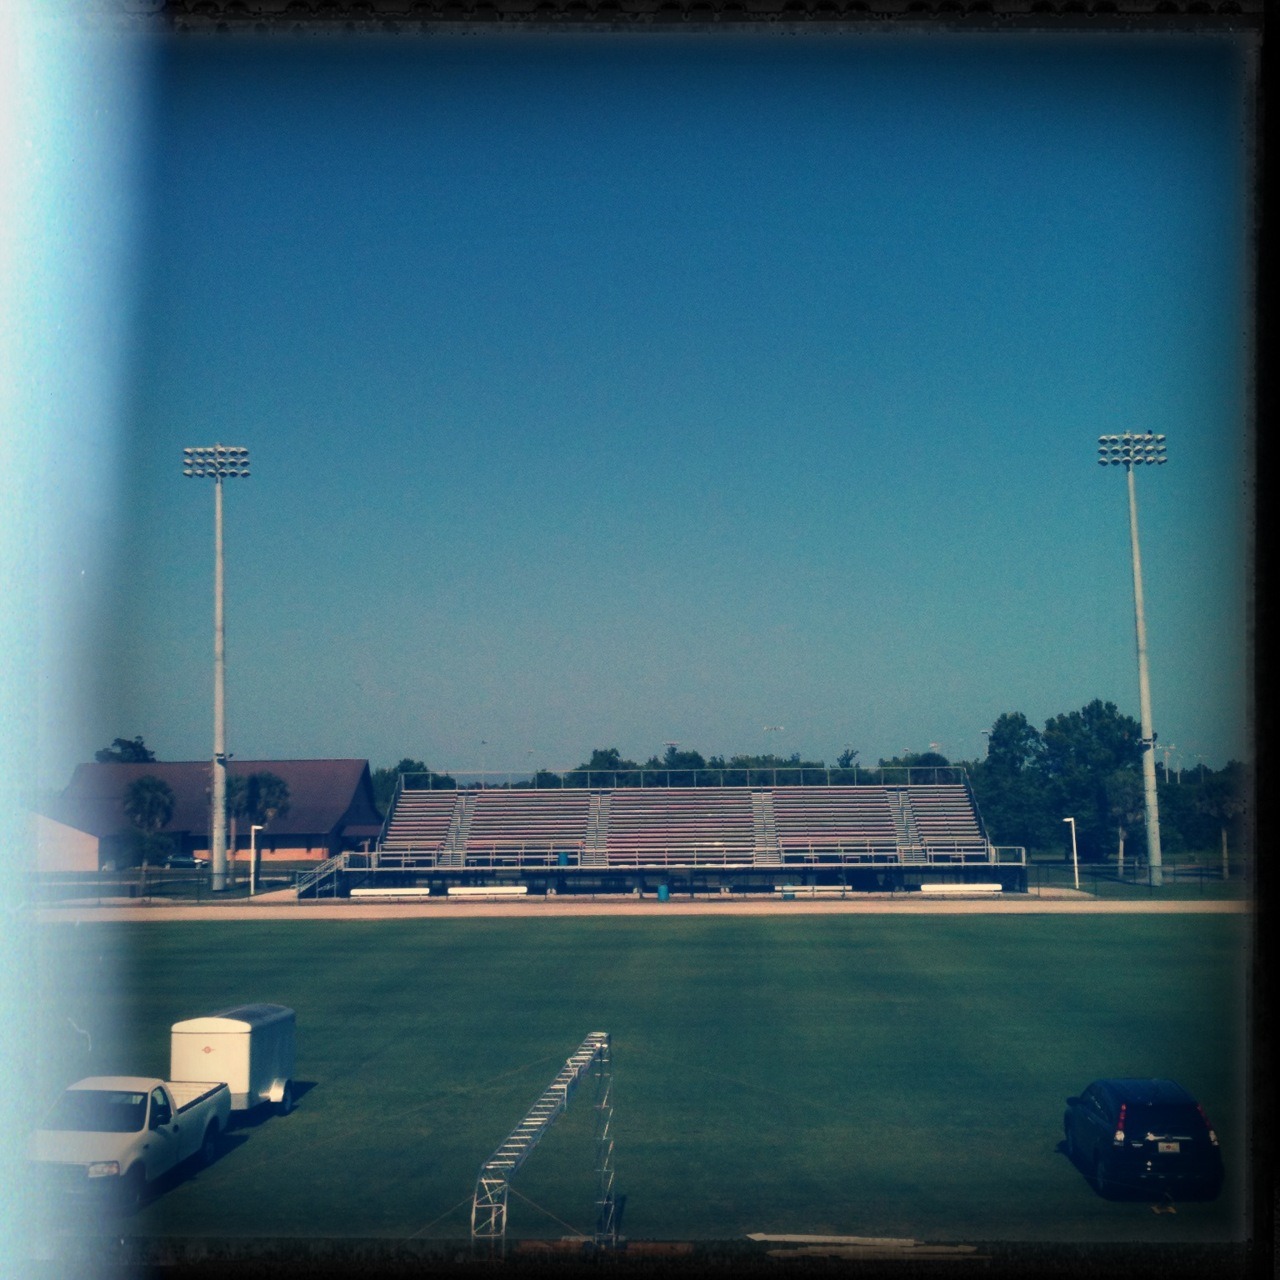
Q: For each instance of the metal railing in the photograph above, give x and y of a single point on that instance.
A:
(545, 855)
(315, 877)
(131, 884)
(614, 779)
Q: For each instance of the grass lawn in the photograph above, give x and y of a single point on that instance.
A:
(876, 1075)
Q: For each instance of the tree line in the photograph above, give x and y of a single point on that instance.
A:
(1087, 765)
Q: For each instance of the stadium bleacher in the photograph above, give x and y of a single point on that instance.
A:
(830, 820)
(663, 826)
(420, 821)
(944, 817)
(705, 826)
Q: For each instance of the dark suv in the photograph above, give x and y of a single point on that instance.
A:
(1132, 1135)
(185, 862)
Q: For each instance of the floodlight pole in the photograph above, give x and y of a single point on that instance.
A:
(218, 853)
(217, 463)
(1130, 450)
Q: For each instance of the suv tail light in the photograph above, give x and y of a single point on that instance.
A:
(1213, 1137)
(1118, 1140)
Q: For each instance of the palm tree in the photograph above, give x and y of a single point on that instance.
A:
(1125, 805)
(1222, 799)
(237, 808)
(266, 797)
(148, 804)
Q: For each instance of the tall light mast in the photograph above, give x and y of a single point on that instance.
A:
(218, 463)
(1130, 450)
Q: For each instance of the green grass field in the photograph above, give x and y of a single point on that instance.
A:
(856, 1075)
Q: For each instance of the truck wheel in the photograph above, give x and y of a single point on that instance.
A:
(285, 1105)
(133, 1189)
(209, 1147)
(1103, 1183)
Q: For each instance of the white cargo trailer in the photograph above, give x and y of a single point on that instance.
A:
(250, 1047)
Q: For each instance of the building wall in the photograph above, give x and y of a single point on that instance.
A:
(283, 851)
(63, 848)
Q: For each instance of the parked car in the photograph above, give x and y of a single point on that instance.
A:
(114, 1136)
(185, 862)
(1143, 1134)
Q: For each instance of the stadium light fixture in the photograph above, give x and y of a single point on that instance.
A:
(218, 463)
(1131, 450)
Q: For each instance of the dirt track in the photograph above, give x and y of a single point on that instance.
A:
(283, 906)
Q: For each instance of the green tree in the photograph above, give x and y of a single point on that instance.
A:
(237, 809)
(125, 751)
(606, 768)
(266, 798)
(1125, 806)
(1081, 750)
(1013, 745)
(1009, 787)
(385, 780)
(1223, 798)
(786, 771)
(416, 775)
(148, 804)
(676, 768)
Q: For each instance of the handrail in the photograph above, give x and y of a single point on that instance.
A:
(698, 779)
(304, 880)
(391, 808)
(545, 854)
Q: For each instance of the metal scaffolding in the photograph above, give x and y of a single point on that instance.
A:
(489, 1204)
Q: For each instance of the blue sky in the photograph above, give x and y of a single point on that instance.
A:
(619, 390)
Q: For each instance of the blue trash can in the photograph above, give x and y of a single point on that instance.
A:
(664, 893)
(562, 859)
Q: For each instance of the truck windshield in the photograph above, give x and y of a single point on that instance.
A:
(98, 1111)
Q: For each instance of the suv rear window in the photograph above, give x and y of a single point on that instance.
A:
(1164, 1120)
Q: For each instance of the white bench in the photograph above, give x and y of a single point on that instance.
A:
(488, 890)
(813, 890)
(416, 891)
(951, 890)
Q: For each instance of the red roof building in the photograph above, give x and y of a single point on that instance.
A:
(331, 808)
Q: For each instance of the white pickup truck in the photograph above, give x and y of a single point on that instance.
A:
(115, 1135)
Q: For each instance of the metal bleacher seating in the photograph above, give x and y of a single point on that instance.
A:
(528, 822)
(834, 819)
(944, 817)
(680, 824)
(420, 821)
(703, 826)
